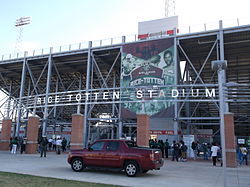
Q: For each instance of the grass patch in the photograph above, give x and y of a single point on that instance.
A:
(21, 180)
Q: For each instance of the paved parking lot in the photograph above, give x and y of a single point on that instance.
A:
(177, 174)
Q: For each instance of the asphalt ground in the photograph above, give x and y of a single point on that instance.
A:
(176, 174)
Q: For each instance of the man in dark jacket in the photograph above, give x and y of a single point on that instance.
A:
(23, 145)
(194, 148)
(166, 148)
(64, 144)
(43, 145)
(176, 149)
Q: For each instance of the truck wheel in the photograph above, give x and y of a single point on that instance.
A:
(77, 164)
(131, 168)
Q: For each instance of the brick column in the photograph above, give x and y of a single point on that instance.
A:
(5, 134)
(32, 135)
(143, 122)
(76, 138)
(230, 140)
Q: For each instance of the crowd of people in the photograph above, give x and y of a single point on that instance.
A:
(178, 151)
(57, 144)
(198, 147)
(53, 144)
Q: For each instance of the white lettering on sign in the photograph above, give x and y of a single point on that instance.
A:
(147, 94)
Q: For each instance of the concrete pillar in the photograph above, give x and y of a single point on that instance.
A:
(76, 138)
(143, 122)
(32, 135)
(230, 140)
(5, 134)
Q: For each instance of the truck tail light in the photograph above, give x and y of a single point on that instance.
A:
(152, 156)
(155, 155)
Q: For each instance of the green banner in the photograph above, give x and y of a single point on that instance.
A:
(248, 142)
(151, 65)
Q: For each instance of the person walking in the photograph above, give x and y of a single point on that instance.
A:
(166, 148)
(54, 144)
(214, 150)
(183, 152)
(58, 146)
(240, 155)
(43, 145)
(50, 143)
(64, 144)
(175, 147)
(22, 145)
(14, 145)
(205, 150)
(244, 151)
(194, 148)
(219, 155)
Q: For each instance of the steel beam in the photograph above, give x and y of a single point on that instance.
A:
(32, 78)
(120, 124)
(120, 129)
(198, 118)
(176, 64)
(58, 75)
(46, 108)
(9, 101)
(20, 96)
(221, 81)
(39, 78)
(104, 81)
(197, 73)
(86, 107)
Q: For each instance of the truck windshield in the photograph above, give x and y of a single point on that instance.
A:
(131, 144)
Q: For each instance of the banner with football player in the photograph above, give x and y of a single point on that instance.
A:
(147, 64)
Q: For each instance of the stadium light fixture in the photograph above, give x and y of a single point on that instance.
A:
(22, 21)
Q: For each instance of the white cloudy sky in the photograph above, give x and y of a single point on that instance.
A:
(60, 22)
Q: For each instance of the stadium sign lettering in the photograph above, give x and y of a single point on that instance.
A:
(116, 95)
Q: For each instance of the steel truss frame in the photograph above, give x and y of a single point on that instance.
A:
(97, 70)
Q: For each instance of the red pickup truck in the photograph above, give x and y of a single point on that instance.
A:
(116, 154)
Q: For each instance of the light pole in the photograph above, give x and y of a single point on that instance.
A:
(220, 66)
(19, 24)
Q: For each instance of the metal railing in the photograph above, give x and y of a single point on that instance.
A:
(129, 38)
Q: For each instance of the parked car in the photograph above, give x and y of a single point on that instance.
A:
(117, 155)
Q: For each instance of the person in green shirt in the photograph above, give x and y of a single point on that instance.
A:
(14, 143)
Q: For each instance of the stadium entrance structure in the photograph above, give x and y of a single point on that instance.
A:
(108, 91)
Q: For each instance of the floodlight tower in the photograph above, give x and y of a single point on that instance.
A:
(19, 24)
(169, 8)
